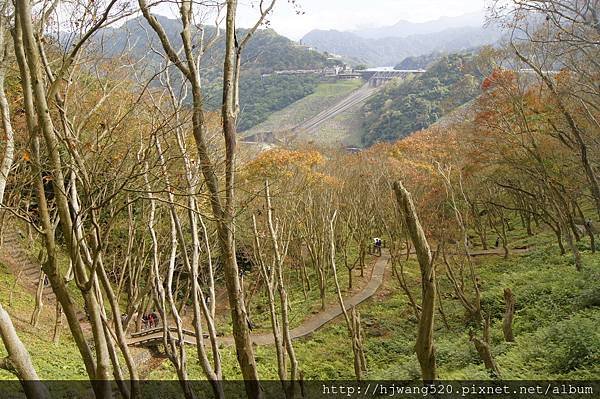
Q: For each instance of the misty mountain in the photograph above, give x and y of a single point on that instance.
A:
(392, 50)
(406, 28)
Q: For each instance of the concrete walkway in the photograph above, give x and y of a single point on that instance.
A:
(332, 311)
(318, 320)
(310, 325)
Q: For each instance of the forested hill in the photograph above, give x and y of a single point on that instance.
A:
(266, 52)
(408, 106)
(419, 61)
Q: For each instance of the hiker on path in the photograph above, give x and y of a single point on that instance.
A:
(377, 244)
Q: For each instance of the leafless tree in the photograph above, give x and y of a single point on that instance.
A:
(424, 346)
(18, 360)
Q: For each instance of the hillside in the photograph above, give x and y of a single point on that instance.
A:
(407, 106)
(419, 61)
(392, 50)
(423, 230)
(265, 53)
(324, 96)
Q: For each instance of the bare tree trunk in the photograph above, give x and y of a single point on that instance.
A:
(229, 112)
(400, 276)
(283, 297)
(362, 255)
(73, 234)
(39, 300)
(587, 225)
(509, 314)
(358, 340)
(14, 287)
(268, 274)
(483, 349)
(441, 306)
(173, 347)
(18, 361)
(9, 145)
(353, 323)
(200, 308)
(424, 346)
(56, 279)
(322, 286)
(120, 334)
(57, 324)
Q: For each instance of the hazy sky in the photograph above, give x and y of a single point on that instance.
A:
(350, 14)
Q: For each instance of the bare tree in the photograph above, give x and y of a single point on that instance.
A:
(223, 208)
(352, 320)
(9, 135)
(18, 361)
(509, 314)
(424, 346)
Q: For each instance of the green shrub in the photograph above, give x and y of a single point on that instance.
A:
(571, 344)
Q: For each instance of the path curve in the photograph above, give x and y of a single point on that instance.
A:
(332, 311)
(317, 320)
(309, 326)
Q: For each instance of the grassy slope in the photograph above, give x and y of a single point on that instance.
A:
(345, 129)
(558, 311)
(58, 362)
(326, 95)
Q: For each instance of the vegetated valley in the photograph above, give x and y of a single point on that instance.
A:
(245, 216)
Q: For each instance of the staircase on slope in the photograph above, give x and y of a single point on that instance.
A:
(21, 263)
(15, 256)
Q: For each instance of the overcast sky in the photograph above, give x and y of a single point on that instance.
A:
(351, 14)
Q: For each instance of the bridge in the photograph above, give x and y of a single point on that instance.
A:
(154, 336)
(379, 76)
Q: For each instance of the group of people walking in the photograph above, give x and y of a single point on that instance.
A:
(150, 320)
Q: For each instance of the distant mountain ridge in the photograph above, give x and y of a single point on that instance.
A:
(406, 28)
(266, 52)
(389, 45)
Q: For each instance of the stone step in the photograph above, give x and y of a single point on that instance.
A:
(26, 270)
(31, 277)
(29, 266)
(29, 270)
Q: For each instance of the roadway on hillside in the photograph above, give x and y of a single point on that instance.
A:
(358, 96)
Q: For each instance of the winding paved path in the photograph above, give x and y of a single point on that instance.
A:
(315, 321)
(310, 325)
